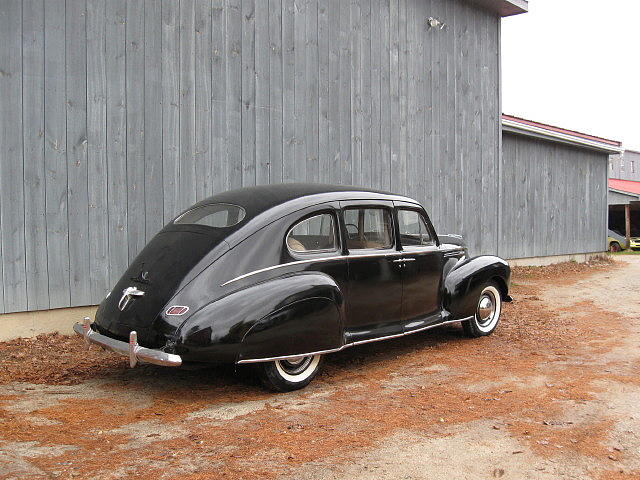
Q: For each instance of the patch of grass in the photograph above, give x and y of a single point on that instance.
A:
(627, 252)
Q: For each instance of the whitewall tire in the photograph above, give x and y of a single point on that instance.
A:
(290, 374)
(488, 310)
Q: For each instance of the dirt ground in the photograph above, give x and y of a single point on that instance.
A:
(553, 394)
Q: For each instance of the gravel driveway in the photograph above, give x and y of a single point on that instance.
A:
(553, 394)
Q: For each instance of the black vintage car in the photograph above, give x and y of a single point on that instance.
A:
(281, 275)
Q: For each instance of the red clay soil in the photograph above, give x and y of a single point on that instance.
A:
(363, 396)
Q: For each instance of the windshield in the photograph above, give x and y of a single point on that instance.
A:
(216, 215)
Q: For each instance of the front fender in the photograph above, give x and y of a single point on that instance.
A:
(266, 320)
(464, 282)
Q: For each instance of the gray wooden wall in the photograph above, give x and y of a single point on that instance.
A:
(553, 199)
(115, 115)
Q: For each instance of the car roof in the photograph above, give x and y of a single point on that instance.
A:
(258, 199)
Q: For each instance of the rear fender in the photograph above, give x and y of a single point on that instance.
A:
(309, 325)
(464, 282)
(303, 310)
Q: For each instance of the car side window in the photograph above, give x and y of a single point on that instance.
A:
(413, 229)
(313, 234)
(368, 228)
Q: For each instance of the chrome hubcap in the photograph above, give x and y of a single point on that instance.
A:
(486, 308)
(295, 366)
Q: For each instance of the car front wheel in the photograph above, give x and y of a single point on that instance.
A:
(487, 314)
(290, 374)
(614, 247)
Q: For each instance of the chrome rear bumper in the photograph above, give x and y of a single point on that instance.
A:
(135, 352)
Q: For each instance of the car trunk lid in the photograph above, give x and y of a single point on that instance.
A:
(152, 279)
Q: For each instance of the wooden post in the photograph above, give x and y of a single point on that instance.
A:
(627, 223)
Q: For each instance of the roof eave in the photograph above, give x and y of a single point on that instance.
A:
(538, 132)
(627, 194)
(505, 8)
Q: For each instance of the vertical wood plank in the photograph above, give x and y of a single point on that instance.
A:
(334, 146)
(312, 93)
(34, 172)
(56, 155)
(490, 152)
(403, 69)
(116, 14)
(385, 95)
(413, 102)
(465, 122)
(366, 94)
(187, 189)
(356, 92)
(344, 89)
(203, 95)
(427, 67)
(324, 91)
(262, 82)
(170, 108)
(248, 153)
(474, 168)
(219, 158)
(376, 53)
(76, 118)
(450, 218)
(288, 91)
(275, 91)
(12, 158)
(153, 137)
(135, 82)
(506, 246)
(234, 93)
(396, 172)
(435, 44)
(97, 150)
(299, 88)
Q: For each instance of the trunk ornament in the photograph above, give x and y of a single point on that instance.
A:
(127, 295)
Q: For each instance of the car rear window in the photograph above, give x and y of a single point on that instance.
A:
(216, 215)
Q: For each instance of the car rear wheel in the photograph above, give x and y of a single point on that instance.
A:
(614, 247)
(290, 374)
(487, 314)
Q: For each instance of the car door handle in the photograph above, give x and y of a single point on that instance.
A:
(403, 260)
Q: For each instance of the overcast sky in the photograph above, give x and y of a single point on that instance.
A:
(575, 64)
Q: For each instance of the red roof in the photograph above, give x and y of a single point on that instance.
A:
(625, 185)
(551, 128)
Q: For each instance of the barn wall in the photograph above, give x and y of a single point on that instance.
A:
(116, 115)
(554, 199)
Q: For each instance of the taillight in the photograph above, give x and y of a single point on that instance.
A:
(177, 310)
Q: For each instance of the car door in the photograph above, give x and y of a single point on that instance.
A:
(374, 272)
(421, 267)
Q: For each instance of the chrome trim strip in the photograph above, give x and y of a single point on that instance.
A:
(288, 357)
(129, 349)
(314, 260)
(347, 345)
(282, 265)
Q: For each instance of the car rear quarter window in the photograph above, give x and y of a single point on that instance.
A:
(216, 215)
(313, 234)
(368, 228)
